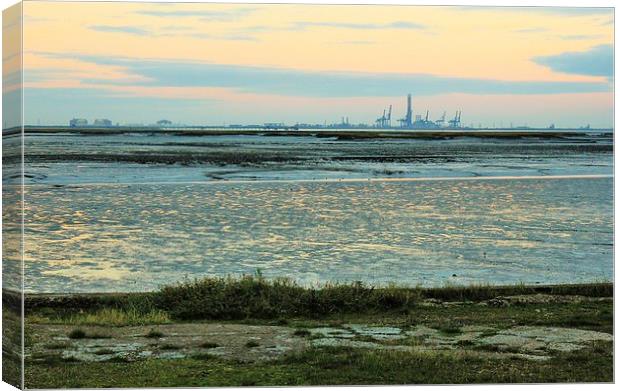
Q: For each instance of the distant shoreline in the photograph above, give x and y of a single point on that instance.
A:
(345, 134)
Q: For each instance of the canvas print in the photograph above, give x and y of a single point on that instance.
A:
(229, 194)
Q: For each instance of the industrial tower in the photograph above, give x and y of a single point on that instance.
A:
(407, 121)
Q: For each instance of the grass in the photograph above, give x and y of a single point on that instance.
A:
(251, 344)
(119, 317)
(209, 345)
(330, 366)
(81, 334)
(154, 334)
(256, 297)
(273, 303)
(77, 334)
(58, 345)
(302, 333)
(104, 351)
(105, 317)
(278, 300)
(449, 329)
(170, 347)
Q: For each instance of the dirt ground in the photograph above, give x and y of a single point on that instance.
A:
(255, 343)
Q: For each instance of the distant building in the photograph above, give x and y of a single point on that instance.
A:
(102, 122)
(274, 125)
(75, 122)
(164, 122)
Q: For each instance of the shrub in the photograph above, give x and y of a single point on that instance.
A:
(302, 333)
(251, 344)
(77, 334)
(256, 297)
(154, 334)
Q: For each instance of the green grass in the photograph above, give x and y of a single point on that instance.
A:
(254, 300)
(104, 317)
(58, 345)
(302, 333)
(77, 334)
(256, 297)
(169, 346)
(81, 334)
(251, 344)
(104, 351)
(119, 317)
(330, 366)
(154, 334)
(279, 300)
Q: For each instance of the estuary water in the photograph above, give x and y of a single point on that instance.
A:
(412, 213)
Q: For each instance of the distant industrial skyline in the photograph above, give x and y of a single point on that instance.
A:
(252, 64)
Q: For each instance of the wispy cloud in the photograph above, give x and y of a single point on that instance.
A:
(597, 61)
(173, 31)
(580, 37)
(360, 42)
(120, 29)
(290, 82)
(305, 25)
(532, 30)
(223, 37)
(227, 15)
(363, 26)
(566, 11)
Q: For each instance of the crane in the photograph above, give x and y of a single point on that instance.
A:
(456, 121)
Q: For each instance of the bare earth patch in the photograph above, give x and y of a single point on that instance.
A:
(229, 341)
(252, 343)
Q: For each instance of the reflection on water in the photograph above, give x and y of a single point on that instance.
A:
(138, 237)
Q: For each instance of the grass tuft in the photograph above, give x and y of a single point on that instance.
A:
(104, 351)
(154, 334)
(77, 334)
(251, 344)
(302, 333)
(117, 317)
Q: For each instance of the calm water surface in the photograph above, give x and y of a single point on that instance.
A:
(129, 237)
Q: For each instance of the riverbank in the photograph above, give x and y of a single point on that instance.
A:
(253, 331)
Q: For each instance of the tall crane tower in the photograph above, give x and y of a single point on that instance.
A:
(385, 121)
(456, 121)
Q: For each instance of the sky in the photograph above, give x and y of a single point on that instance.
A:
(249, 63)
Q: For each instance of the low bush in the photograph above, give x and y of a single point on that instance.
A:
(256, 297)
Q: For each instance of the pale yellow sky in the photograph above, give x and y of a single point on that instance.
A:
(210, 53)
(484, 43)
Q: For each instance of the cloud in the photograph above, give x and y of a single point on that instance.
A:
(304, 25)
(579, 37)
(226, 15)
(597, 61)
(363, 26)
(565, 11)
(263, 80)
(532, 30)
(120, 29)
(231, 37)
(361, 42)
(577, 11)
(173, 31)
